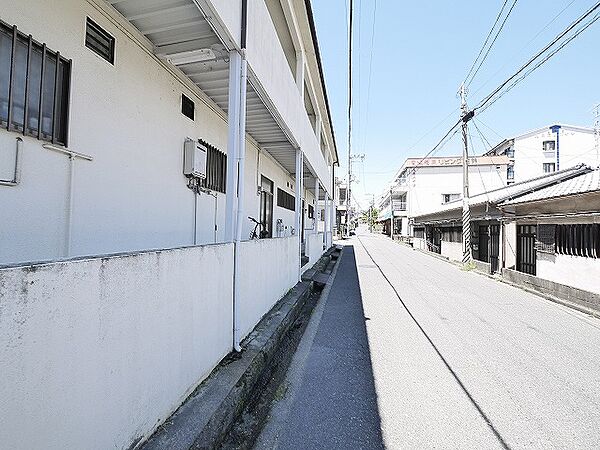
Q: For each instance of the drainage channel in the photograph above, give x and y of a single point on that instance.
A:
(270, 385)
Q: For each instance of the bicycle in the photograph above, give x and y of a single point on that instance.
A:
(256, 233)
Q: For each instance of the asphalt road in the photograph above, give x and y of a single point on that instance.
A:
(407, 352)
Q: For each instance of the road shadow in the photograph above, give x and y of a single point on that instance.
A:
(335, 406)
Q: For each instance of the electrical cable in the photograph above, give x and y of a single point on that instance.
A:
(532, 60)
(468, 82)
(526, 45)
(486, 41)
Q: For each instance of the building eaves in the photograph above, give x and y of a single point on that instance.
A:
(313, 32)
(581, 184)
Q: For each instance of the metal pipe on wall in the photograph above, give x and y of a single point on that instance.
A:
(240, 200)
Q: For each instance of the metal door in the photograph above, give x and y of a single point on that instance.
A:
(483, 243)
(526, 254)
(494, 246)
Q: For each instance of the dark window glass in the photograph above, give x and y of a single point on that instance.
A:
(187, 107)
(18, 87)
(99, 41)
(35, 81)
(285, 200)
(5, 64)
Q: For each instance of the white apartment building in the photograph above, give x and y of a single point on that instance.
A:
(137, 137)
(424, 185)
(548, 149)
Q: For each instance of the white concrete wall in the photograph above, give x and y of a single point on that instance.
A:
(96, 353)
(576, 271)
(314, 247)
(452, 250)
(268, 269)
(511, 245)
(575, 147)
(127, 116)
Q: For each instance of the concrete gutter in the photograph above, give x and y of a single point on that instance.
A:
(207, 417)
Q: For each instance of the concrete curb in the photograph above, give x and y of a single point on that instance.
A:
(501, 279)
(207, 416)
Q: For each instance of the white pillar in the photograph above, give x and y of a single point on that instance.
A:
(327, 220)
(317, 210)
(300, 73)
(298, 208)
(318, 128)
(233, 125)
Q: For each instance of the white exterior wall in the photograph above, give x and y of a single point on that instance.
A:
(270, 65)
(575, 147)
(576, 271)
(133, 195)
(314, 247)
(511, 245)
(426, 186)
(96, 353)
(268, 269)
(452, 250)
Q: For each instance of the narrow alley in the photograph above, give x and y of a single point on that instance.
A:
(408, 351)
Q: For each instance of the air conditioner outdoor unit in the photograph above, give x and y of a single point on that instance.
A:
(194, 159)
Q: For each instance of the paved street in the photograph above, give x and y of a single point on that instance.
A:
(436, 358)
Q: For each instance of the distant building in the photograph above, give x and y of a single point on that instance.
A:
(548, 149)
(557, 231)
(547, 228)
(424, 185)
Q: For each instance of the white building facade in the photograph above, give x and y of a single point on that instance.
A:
(549, 149)
(149, 275)
(424, 185)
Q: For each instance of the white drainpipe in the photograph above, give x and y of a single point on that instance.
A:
(240, 202)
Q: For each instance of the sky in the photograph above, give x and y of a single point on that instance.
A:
(421, 53)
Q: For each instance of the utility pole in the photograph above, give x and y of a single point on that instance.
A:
(349, 190)
(392, 216)
(466, 115)
(597, 131)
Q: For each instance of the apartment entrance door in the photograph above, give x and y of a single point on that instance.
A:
(266, 207)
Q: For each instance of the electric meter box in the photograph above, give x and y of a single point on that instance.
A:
(194, 159)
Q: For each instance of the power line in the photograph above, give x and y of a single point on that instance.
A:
(467, 81)
(370, 71)
(540, 53)
(527, 44)
(546, 58)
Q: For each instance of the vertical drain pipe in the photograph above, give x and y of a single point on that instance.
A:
(69, 224)
(241, 156)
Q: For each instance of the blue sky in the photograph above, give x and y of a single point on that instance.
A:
(422, 51)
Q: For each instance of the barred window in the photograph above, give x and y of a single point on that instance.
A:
(216, 168)
(34, 87)
(452, 234)
(285, 200)
(578, 240)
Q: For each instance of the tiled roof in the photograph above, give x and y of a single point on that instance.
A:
(587, 182)
(515, 190)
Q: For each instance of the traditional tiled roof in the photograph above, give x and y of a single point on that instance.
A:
(586, 182)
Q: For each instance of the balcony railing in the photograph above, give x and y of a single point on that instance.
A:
(399, 206)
